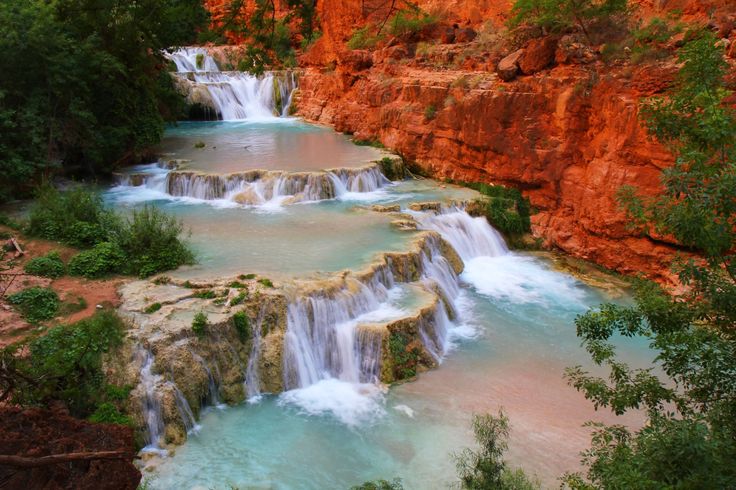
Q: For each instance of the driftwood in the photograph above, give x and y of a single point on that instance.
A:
(19, 251)
(28, 462)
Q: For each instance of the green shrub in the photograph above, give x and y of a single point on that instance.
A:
(236, 285)
(104, 259)
(151, 242)
(246, 277)
(239, 298)
(199, 323)
(364, 38)
(266, 282)
(49, 265)
(199, 60)
(66, 365)
(507, 210)
(374, 143)
(241, 323)
(36, 304)
(199, 145)
(404, 360)
(152, 308)
(205, 294)
(430, 112)
(108, 413)
(394, 484)
(406, 23)
(76, 217)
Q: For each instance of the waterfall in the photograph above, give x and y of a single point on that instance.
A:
(185, 411)
(470, 237)
(151, 402)
(252, 380)
(213, 396)
(254, 187)
(236, 95)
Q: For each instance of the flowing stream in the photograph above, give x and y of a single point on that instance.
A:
(501, 332)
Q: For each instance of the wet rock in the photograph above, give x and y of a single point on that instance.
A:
(404, 224)
(508, 68)
(426, 206)
(394, 208)
(538, 55)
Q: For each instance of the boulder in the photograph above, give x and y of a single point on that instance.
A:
(508, 67)
(538, 55)
(465, 35)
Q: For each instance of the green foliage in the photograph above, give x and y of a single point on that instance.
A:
(241, 323)
(50, 265)
(374, 143)
(6, 220)
(364, 38)
(151, 242)
(102, 260)
(66, 365)
(81, 85)
(689, 440)
(239, 299)
(152, 308)
(485, 468)
(201, 144)
(246, 277)
(266, 282)
(236, 285)
(394, 484)
(562, 15)
(199, 324)
(404, 357)
(205, 294)
(108, 413)
(76, 217)
(430, 112)
(507, 210)
(36, 304)
(409, 22)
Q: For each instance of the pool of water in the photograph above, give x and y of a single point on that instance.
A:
(510, 354)
(278, 144)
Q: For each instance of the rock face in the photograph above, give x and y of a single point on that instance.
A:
(569, 140)
(538, 55)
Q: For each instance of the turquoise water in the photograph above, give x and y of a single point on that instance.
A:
(278, 145)
(512, 356)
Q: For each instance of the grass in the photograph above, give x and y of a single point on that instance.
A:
(241, 323)
(152, 308)
(50, 265)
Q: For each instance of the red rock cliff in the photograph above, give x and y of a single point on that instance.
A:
(569, 136)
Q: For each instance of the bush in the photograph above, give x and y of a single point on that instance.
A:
(430, 112)
(241, 323)
(108, 413)
(406, 23)
(36, 304)
(507, 210)
(104, 259)
(394, 484)
(49, 265)
(266, 282)
(76, 217)
(199, 323)
(242, 296)
(364, 38)
(150, 241)
(246, 277)
(66, 365)
(152, 308)
(205, 294)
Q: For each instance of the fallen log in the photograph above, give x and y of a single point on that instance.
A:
(28, 462)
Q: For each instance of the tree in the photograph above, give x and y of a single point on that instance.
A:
(484, 468)
(560, 15)
(689, 440)
(84, 85)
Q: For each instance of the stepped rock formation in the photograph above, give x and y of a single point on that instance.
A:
(569, 137)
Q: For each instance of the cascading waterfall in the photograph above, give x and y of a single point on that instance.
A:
(236, 95)
(213, 395)
(470, 237)
(252, 380)
(185, 411)
(151, 401)
(256, 187)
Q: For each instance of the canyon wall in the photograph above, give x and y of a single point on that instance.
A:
(569, 136)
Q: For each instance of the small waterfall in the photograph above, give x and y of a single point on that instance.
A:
(185, 411)
(252, 379)
(257, 187)
(151, 402)
(236, 95)
(470, 237)
(321, 341)
(369, 345)
(213, 395)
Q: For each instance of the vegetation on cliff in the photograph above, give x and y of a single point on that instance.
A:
(690, 437)
(84, 86)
